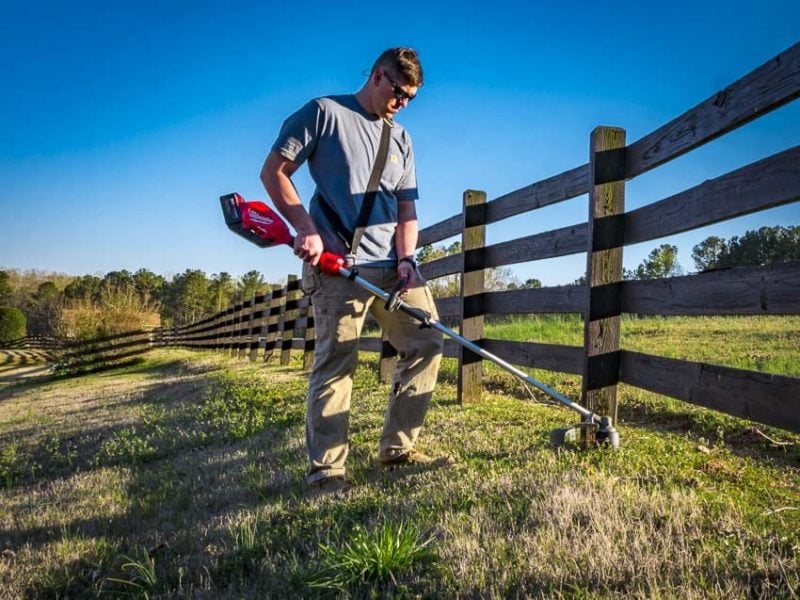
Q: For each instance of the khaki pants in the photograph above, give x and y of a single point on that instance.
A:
(340, 307)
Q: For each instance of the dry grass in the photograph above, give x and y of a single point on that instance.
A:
(183, 477)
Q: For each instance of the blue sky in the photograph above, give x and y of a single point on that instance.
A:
(123, 122)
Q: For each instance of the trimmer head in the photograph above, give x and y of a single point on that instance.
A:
(586, 433)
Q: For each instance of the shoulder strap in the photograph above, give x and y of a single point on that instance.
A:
(372, 186)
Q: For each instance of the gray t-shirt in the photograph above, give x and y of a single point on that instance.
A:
(340, 140)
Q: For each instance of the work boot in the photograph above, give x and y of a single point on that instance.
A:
(336, 485)
(414, 458)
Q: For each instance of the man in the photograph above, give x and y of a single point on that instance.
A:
(340, 138)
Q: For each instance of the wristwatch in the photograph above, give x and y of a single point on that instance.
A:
(409, 260)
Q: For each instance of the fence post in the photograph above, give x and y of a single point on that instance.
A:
(236, 320)
(216, 333)
(273, 320)
(289, 317)
(604, 270)
(473, 240)
(246, 326)
(227, 328)
(256, 326)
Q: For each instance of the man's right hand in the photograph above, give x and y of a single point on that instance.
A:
(308, 247)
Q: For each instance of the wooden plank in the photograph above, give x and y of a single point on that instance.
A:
(770, 182)
(437, 232)
(550, 357)
(245, 329)
(603, 268)
(441, 266)
(552, 190)
(448, 307)
(218, 331)
(236, 323)
(277, 302)
(770, 86)
(370, 344)
(769, 399)
(228, 327)
(768, 290)
(549, 244)
(545, 192)
(557, 299)
(260, 318)
(470, 372)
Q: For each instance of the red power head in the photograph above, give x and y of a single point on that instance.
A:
(258, 223)
(255, 221)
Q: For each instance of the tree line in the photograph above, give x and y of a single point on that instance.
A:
(87, 306)
(763, 246)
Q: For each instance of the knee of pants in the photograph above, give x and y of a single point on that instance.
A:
(429, 343)
(338, 357)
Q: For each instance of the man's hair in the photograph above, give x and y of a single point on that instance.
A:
(401, 62)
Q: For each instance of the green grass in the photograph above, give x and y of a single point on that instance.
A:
(183, 476)
(770, 344)
(371, 557)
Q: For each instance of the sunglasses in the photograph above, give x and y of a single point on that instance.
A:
(399, 93)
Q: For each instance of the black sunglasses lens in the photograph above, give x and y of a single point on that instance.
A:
(399, 93)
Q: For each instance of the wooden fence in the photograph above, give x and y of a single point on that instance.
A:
(88, 356)
(280, 319)
(276, 322)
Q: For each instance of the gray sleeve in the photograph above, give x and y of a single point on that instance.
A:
(299, 133)
(407, 186)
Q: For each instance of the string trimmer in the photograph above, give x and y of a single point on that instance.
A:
(259, 224)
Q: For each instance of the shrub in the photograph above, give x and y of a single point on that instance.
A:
(13, 324)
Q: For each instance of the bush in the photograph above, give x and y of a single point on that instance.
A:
(13, 324)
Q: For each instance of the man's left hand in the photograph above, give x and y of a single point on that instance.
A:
(405, 270)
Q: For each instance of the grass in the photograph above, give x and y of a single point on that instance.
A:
(770, 344)
(376, 557)
(183, 476)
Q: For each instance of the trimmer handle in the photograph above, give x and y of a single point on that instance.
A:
(393, 302)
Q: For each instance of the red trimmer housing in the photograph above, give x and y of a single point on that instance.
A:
(254, 221)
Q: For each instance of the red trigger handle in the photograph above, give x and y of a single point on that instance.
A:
(329, 263)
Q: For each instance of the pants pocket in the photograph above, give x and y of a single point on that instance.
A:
(312, 279)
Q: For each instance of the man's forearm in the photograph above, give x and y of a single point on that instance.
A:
(407, 232)
(406, 237)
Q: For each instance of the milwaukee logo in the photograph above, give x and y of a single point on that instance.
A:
(258, 218)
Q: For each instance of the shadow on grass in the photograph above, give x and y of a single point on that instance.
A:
(177, 436)
(739, 436)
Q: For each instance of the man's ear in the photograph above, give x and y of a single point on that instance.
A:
(376, 77)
